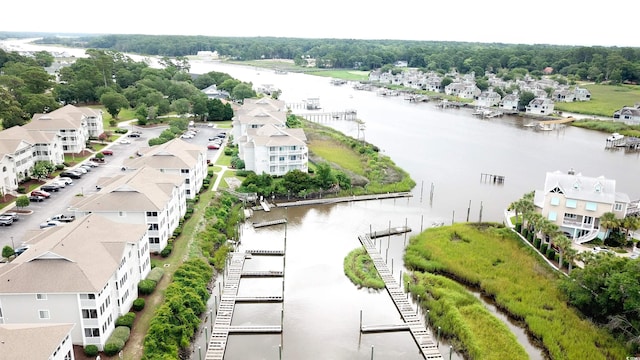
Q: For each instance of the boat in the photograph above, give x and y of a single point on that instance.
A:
(615, 137)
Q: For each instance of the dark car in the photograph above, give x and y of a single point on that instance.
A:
(71, 175)
(50, 188)
(42, 193)
(222, 135)
(107, 152)
(36, 198)
(98, 160)
(134, 135)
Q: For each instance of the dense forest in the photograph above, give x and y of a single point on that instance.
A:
(597, 64)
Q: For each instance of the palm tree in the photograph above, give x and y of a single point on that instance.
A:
(526, 207)
(630, 223)
(563, 243)
(571, 255)
(608, 221)
(549, 230)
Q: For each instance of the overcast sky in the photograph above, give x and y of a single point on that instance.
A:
(606, 23)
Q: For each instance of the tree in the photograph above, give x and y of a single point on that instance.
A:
(8, 251)
(525, 99)
(242, 91)
(113, 102)
(22, 201)
(42, 169)
(562, 243)
(608, 222)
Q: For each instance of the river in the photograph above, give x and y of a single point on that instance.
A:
(443, 150)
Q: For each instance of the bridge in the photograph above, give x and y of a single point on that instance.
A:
(419, 331)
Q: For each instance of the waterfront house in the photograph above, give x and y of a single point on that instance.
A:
(213, 92)
(175, 157)
(575, 203)
(510, 101)
(84, 273)
(488, 98)
(629, 115)
(143, 196)
(73, 132)
(540, 106)
(256, 116)
(36, 341)
(274, 150)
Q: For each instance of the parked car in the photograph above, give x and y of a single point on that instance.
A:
(42, 193)
(88, 168)
(6, 220)
(36, 198)
(135, 134)
(90, 164)
(124, 142)
(98, 160)
(21, 249)
(634, 255)
(81, 170)
(186, 136)
(107, 152)
(70, 174)
(222, 134)
(13, 214)
(64, 180)
(48, 224)
(62, 218)
(50, 187)
(213, 146)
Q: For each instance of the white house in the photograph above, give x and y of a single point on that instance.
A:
(73, 133)
(84, 273)
(254, 114)
(275, 151)
(36, 341)
(510, 102)
(91, 117)
(630, 115)
(540, 106)
(143, 196)
(575, 203)
(488, 98)
(176, 157)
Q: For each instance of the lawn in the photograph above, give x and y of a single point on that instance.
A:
(338, 154)
(605, 100)
(351, 75)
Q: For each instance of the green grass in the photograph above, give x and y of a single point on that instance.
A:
(338, 154)
(609, 127)
(351, 75)
(461, 315)
(360, 269)
(605, 100)
(223, 159)
(496, 261)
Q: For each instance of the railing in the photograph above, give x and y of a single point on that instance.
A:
(588, 237)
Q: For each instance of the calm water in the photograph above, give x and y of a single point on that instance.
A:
(444, 149)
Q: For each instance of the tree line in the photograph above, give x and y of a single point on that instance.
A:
(585, 63)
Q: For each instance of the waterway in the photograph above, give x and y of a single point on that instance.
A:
(443, 150)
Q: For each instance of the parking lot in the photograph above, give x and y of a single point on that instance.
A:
(60, 201)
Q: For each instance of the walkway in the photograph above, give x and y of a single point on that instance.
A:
(330, 200)
(416, 326)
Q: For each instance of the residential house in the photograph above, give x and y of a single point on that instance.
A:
(510, 102)
(275, 150)
(630, 115)
(36, 341)
(581, 94)
(73, 132)
(462, 90)
(143, 196)
(84, 273)
(91, 117)
(488, 98)
(213, 92)
(256, 115)
(540, 106)
(575, 203)
(175, 157)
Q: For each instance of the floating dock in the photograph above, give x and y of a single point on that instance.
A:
(389, 232)
(269, 223)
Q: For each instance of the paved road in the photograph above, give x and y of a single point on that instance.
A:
(60, 201)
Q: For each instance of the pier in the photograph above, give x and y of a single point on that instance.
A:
(421, 335)
(496, 179)
(388, 232)
(320, 117)
(269, 223)
(330, 200)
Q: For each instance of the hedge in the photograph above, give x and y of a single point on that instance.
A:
(91, 350)
(146, 287)
(156, 274)
(126, 320)
(138, 304)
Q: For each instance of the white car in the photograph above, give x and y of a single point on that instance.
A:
(90, 164)
(81, 169)
(48, 224)
(124, 142)
(186, 136)
(66, 180)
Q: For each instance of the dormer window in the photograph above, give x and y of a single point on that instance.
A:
(598, 187)
(576, 185)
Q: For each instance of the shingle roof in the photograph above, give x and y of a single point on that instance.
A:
(174, 154)
(270, 135)
(579, 187)
(80, 256)
(31, 341)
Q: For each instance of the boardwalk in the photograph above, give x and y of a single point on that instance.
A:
(344, 199)
(269, 223)
(418, 329)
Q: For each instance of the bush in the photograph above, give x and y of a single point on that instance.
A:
(551, 254)
(126, 320)
(536, 243)
(138, 304)
(146, 287)
(59, 167)
(112, 347)
(91, 350)
(167, 250)
(120, 332)
(121, 131)
(543, 248)
(156, 274)
(22, 190)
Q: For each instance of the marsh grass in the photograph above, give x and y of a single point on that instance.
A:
(502, 267)
(360, 269)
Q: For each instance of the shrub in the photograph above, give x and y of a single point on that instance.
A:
(138, 304)
(121, 332)
(177, 231)
(543, 248)
(536, 243)
(91, 350)
(167, 250)
(146, 287)
(22, 190)
(112, 347)
(551, 254)
(126, 320)
(59, 167)
(156, 274)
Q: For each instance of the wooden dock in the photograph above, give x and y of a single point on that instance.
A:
(258, 299)
(260, 329)
(224, 314)
(265, 252)
(335, 200)
(367, 329)
(496, 179)
(319, 117)
(418, 329)
(269, 223)
(269, 273)
(388, 232)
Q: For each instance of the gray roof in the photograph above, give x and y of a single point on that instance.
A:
(80, 256)
(174, 154)
(31, 341)
(145, 189)
(579, 187)
(270, 135)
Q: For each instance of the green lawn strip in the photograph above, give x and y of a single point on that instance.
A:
(609, 127)
(497, 262)
(460, 315)
(360, 269)
(351, 75)
(338, 154)
(605, 100)
(224, 160)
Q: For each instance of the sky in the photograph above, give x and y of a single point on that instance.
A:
(568, 22)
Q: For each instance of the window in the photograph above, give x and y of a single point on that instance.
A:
(152, 213)
(571, 203)
(617, 207)
(553, 216)
(88, 296)
(591, 206)
(41, 296)
(43, 314)
(555, 201)
(184, 171)
(92, 332)
(89, 314)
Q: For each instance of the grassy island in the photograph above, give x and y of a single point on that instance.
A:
(360, 269)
